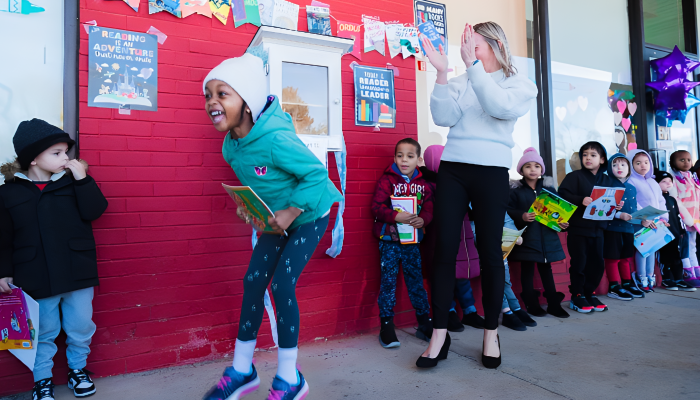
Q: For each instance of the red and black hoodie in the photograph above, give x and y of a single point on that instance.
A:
(393, 183)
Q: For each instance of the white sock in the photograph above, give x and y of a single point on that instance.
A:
(243, 356)
(287, 365)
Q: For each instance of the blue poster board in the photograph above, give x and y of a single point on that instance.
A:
(434, 12)
(122, 69)
(375, 100)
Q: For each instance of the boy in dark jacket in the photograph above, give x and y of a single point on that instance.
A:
(47, 247)
(669, 255)
(402, 179)
(585, 237)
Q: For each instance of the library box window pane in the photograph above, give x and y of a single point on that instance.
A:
(305, 97)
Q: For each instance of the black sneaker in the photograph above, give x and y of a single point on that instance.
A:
(80, 382)
(580, 304)
(513, 322)
(525, 318)
(425, 327)
(669, 284)
(617, 292)
(453, 323)
(597, 304)
(43, 390)
(474, 320)
(685, 286)
(387, 334)
(632, 289)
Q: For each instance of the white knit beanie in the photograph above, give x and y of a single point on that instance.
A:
(246, 75)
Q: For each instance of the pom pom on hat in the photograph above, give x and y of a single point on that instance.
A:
(530, 154)
(246, 75)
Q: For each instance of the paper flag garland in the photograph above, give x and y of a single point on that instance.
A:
(171, 6)
(408, 36)
(393, 39)
(134, 4)
(374, 34)
(350, 30)
(200, 7)
(266, 7)
(245, 12)
(19, 7)
(220, 9)
(285, 15)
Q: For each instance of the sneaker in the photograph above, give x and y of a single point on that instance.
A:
(597, 304)
(684, 286)
(525, 318)
(474, 320)
(669, 284)
(513, 322)
(282, 390)
(80, 383)
(234, 385)
(387, 334)
(689, 273)
(43, 390)
(631, 289)
(580, 304)
(617, 292)
(453, 322)
(652, 282)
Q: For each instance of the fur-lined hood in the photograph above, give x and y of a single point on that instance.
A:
(8, 170)
(547, 181)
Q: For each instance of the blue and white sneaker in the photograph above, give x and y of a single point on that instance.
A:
(234, 385)
(282, 390)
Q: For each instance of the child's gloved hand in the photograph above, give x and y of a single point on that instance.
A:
(529, 217)
(5, 285)
(77, 168)
(404, 218)
(587, 201)
(417, 222)
(619, 206)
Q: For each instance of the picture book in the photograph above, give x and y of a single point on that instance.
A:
(253, 206)
(605, 199)
(428, 29)
(510, 236)
(550, 209)
(647, 213)
(16, 327)
(407, 233)
(319, 20)
(27, 356)
(648, 240)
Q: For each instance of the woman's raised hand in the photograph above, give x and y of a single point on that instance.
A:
(437, 58)
(467, 48)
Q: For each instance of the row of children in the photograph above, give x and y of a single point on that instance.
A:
(595, 247)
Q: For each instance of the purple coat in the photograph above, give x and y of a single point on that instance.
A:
(648, 190)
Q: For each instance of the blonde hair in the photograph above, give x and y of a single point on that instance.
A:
(493, 33)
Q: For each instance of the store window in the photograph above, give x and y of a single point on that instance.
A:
(305, 97)
(591, 79)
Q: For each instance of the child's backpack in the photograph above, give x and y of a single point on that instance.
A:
(467, 257)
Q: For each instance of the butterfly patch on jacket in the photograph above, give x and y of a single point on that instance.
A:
(260, 171)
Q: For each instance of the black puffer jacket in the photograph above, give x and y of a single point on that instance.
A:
(46, 240)
(540, 243)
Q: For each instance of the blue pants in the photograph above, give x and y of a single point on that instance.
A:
(463, 293)
(279, 259)
(408, 256)
(75, 317)
(509, 299)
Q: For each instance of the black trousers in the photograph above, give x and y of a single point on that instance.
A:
(587, 264)
(527, 275)
(486, 188)
(670, 258)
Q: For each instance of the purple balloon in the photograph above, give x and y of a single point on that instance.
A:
(672, 82)
(676, 60)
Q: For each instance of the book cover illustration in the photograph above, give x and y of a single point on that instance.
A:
(428, 29)
(508, 239)
(605, 199)
(647, 213)
(319, 20)
(648, 240)
(407, 233)
(550, 209)
(16, 327)
(253, 206)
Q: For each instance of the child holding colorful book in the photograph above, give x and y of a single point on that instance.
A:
(264, 151)
(687, 187)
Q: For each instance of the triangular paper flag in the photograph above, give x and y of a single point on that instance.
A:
(200, 7)
(220, 9)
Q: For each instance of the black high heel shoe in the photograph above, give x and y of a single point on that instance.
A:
(427, 362)
(492, 362)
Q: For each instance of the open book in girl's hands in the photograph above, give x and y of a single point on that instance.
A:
(646, 213)
(253, 206)
(648, 240)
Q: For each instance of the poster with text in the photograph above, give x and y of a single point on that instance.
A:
(434, 12)
(375, 101)
(122, 69)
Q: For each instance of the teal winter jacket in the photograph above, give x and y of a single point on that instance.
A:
(277, 165)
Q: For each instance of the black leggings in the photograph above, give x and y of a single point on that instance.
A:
(670, 258)
(587, 265)
(487, 190)
(527, 275)
(280, 259)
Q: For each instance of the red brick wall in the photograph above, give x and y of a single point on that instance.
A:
(171, 250)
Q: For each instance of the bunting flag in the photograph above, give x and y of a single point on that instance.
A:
(171, 6)
(245, 12)
(220, 9)
(134, 4)
(200, 7)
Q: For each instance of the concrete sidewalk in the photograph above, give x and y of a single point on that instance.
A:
(641, 349)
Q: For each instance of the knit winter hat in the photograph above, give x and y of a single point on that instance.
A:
(246, 75)
(661, 175)
(530, 154)
(35, 136)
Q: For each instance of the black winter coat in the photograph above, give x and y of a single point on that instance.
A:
(46, 240)
(540, 243)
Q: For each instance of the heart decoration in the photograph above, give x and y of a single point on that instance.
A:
(572, 106)
(561, 113)
(618, 118)
(633, 108)
(583, 102)
(626, 124)
(621, 106)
